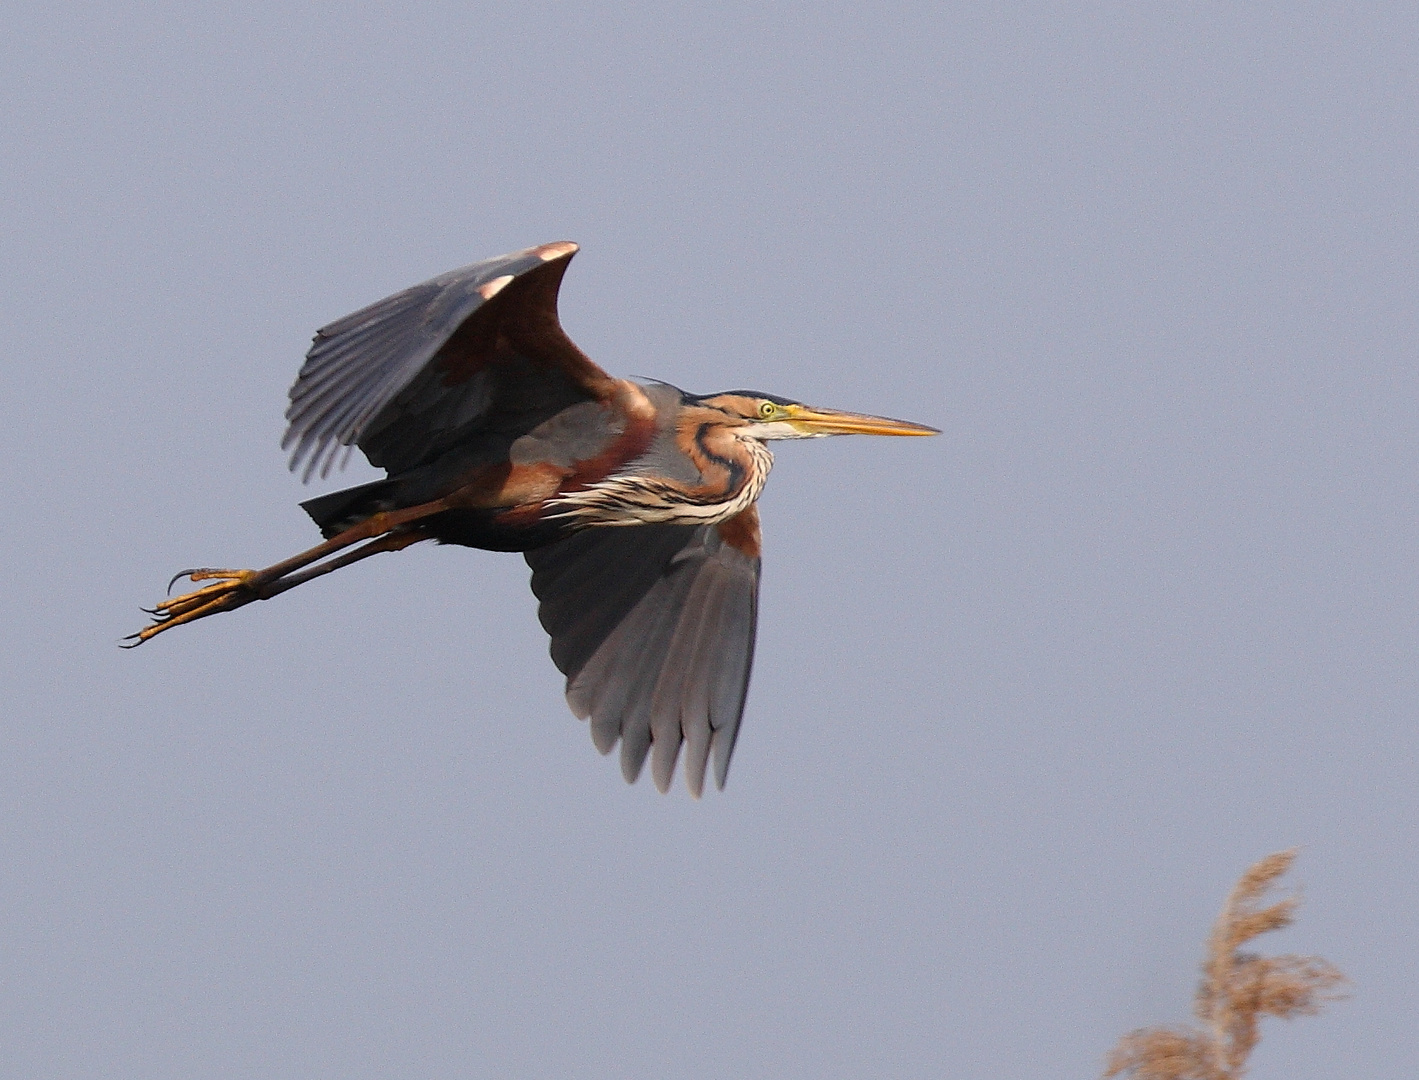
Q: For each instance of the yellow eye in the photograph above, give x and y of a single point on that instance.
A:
(767, 409)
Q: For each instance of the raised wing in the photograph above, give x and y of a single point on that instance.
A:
(653, 626)
(414, 374)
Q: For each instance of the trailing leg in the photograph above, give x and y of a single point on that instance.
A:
(231, 589)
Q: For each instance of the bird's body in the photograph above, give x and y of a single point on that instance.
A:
(664, 457)
(634, 503)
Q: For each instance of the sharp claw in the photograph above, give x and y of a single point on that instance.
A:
(182, 574)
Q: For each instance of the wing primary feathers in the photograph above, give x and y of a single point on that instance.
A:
(701, 651)
(654, 627)
(732, 688)
(645, 642)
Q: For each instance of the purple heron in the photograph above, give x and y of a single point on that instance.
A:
(633, 503)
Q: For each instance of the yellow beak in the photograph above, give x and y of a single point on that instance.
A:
(832, 422)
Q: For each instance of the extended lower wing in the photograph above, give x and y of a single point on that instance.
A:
(653, 625)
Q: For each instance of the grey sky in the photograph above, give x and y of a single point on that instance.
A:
(1028, 696)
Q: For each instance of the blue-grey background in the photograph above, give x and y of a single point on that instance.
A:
(1028, 696)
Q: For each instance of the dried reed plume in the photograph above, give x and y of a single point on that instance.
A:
(1237, 990)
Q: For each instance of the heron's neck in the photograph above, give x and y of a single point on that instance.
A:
(732, 469)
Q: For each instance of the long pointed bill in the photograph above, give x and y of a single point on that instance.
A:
(832, 422)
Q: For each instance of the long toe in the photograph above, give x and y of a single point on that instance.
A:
(229, 589)
(209, 573)
(179, 605)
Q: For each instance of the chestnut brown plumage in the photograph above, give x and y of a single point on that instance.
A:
(634, 503)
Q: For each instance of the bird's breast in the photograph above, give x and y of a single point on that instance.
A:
(720, 477)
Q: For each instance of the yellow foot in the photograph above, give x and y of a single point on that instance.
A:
(230, 589)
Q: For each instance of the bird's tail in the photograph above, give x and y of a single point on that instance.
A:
(340, 510)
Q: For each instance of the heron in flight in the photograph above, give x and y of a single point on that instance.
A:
(633, 503)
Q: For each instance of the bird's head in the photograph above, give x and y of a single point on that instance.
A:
(766, 416)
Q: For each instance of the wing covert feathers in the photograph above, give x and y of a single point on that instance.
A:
(653, 625)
